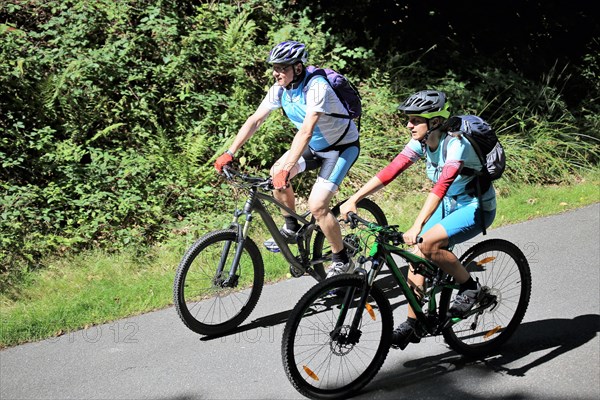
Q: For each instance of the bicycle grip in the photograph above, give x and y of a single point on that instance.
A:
(419, 239)
(227, 171)
(351, 219)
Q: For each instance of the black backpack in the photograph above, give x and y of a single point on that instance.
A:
(487, 146)
(485, 142)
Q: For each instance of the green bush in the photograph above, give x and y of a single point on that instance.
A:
(112, 113)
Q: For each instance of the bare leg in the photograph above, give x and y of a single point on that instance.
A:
(433, 248)
(318, 203)
(287, 195)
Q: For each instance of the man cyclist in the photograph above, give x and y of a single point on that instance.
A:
(451, 213)
(322, 140)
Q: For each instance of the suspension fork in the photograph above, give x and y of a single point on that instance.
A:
(354, 331)
(242, 234)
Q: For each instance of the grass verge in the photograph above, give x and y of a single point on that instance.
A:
(96, 287)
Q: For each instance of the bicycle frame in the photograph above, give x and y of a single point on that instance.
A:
(429, 318)
(338, 335)
(381, 254)
(255, 203)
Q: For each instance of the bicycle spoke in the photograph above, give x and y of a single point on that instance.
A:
(327, 355)
(504, 273)
(208, 298)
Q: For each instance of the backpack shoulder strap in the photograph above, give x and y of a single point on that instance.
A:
(445, 147)
(477, 174)
(334, 144)
(477, 149)
(465, 170)
(312, 71)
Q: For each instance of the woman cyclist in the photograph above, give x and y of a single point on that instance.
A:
(322, 141)
(450, 214)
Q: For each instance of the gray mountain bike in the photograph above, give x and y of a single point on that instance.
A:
(221, 276)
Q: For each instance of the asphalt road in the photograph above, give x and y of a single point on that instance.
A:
(555, 353)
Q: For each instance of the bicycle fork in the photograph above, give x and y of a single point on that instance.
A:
(242, 232)
(352, 334)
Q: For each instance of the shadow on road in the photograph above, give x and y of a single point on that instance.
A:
(432, 376)
(385, 281)
(560, 335)
(263, 322)
(563, 335)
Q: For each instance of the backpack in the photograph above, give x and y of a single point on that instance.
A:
(488, 148)
(345, 91)
(485, 142)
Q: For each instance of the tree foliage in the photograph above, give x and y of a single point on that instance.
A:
(112, 111)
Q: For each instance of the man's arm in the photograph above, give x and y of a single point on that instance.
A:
(249, 128)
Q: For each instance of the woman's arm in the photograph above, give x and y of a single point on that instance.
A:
(449, 173)
(402, 161)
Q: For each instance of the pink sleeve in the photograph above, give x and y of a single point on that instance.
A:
(402, 161)
(449, 173)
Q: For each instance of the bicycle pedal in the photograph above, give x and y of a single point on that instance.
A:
(296, 272)
(339, 292)
(411, 339)
(271, 246)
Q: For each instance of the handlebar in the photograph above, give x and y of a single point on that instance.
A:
(390, 231)
(233, 174)
(354, 220)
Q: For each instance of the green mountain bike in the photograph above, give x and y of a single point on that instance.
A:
(221, 276)
(339, 333)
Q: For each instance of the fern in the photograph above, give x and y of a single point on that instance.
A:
(238, 34)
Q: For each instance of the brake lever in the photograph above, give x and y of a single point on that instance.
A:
(226, 171)
(268, 184)
(351, 220)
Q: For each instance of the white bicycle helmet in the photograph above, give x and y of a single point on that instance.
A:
(288, 53)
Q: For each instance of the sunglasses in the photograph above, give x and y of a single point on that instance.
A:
(281, 69)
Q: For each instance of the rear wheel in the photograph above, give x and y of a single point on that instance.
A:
(503, 272)
(366, 209)
(207, 299)
(322, 355)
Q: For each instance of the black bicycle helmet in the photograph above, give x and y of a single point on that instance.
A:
(288, 53)
(426, 104)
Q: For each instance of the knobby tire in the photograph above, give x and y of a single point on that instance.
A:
(203, 305)
(318, 365)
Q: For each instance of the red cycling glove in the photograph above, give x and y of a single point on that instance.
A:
(280, 180)
(222, 161)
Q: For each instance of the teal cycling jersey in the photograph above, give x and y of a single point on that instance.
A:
(316, 95)
(459, 149)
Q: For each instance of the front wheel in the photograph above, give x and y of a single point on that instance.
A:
(366, 209)
(207, 298)
(323, 355)
(503, 272)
